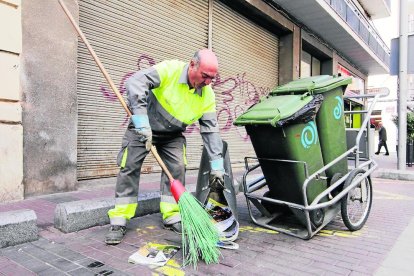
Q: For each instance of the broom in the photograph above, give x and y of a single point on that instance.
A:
(199, 235)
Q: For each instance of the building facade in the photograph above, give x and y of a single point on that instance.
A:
(73, 123)
(11, 128)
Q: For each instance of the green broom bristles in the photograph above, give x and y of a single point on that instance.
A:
(199, 235)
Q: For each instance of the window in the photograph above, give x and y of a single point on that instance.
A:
(354, 88)
(357, 85)
(316, 67)
(309, 65)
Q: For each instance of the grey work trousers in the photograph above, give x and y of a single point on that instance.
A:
(170, 147)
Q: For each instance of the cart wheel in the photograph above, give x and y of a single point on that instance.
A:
(335, 178)
(356, 205)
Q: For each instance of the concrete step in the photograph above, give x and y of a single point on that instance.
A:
(78, 215)
(18, 226)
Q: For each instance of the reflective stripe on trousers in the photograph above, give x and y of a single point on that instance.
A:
(130, 159)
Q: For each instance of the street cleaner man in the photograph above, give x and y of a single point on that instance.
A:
(164, 100)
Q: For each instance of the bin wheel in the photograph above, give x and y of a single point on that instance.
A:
(317, 216)
(335, 178)
(356, 205)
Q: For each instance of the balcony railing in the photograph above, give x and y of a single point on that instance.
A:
(348, 11)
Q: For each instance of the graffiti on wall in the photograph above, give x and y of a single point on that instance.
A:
(228, 109)
(144, 61)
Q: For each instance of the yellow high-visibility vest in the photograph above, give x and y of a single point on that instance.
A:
(181, 102)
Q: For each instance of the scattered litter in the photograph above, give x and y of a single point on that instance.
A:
(153, 254)
(228, 245)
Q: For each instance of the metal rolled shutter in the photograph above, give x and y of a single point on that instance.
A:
(248, 57)
(127, 36)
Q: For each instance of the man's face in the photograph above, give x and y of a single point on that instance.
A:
(202, 73)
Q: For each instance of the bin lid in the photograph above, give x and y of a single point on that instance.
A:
(272, 109)
(314, 85)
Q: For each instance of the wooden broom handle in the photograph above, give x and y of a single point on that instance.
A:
(111, 83)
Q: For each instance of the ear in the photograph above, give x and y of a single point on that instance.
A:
(192, 63)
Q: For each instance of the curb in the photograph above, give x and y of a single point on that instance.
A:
(394, 174)
(78, 215)
(16, 227)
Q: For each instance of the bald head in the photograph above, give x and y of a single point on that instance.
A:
(203, 68)
(206, 58)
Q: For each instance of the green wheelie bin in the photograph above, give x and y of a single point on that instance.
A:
(284, 128)
(330, 117)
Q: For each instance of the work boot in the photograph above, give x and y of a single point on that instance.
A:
(175, 227)
(173, 222)
(115, 235)
(387, 153)
(377, 153)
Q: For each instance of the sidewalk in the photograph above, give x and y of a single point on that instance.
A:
(387, 168)
(383, 245)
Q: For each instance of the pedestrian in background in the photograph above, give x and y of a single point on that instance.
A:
(382, 139)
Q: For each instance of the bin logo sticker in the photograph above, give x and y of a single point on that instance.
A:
(309, 135)
(338, 108)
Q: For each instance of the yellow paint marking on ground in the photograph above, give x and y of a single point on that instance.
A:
(344, 235)
(257, 230)
(144, 231)
(388, 195)
(141, 231)
(170, 271)
(173, 263)
(330, 232)
(339, 233)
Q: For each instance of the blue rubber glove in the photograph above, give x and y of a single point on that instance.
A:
(143, 129)
(217, 170)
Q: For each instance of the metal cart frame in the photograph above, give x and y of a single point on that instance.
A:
(346, 184)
